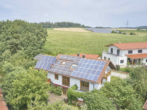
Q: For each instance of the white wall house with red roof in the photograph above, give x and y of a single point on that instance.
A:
(125, 54)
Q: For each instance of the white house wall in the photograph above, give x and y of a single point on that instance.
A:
(53, 80)
(135, 51)
(112, 57)
(109, 78)
(73, 81)
(144, 61)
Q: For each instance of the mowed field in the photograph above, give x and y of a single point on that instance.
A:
(71, 29)
(62, 42)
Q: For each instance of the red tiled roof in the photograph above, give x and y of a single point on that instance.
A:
(3, 105)
(126, 46)
(135, 56)
(88, 56)
(145, 105)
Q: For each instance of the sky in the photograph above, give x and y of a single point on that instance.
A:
(105, 13)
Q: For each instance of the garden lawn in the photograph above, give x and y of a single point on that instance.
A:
(61, 42)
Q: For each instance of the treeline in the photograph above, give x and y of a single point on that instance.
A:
(62, 24)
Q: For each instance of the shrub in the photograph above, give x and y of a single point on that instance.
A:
(73, 95)
(117, 67)
(52, 89)
(112, 31)
(58, 90)
(97, 100)
(132, 33)
(125, 69)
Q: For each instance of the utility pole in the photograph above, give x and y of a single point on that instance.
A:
(127, 23)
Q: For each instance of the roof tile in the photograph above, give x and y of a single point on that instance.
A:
(126, 46)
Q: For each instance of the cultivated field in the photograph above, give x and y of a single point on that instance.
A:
(71, 29)
(62, 42)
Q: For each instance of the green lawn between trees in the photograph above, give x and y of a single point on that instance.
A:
(61, 42)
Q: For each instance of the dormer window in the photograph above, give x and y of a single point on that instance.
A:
(73, 66)
(63, 63)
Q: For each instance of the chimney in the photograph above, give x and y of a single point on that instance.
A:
(83, 56)
(78, 54)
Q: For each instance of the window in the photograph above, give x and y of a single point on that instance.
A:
(63, 63)
(118, 51)
(130, 52)
(73, 66)
(104, 58)
(84, 86)
(139, 51)
(65, 81)
(108, 58)
(121, 61)
(146, 60)
(56, 76)
(111, 50)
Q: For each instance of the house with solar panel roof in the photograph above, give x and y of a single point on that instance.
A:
(85, 70)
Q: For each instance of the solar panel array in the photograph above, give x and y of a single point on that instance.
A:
(65, 69)
(86, 68)
(62, 69)
(71, 58)
(89, 69)
(45, 62)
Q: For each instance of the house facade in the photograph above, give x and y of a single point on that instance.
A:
(124, 54)
(86, 73)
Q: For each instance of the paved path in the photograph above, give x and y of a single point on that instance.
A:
(53, 98)
(120, 75)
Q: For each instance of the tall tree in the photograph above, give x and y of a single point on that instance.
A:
(20, 87)
(20, 35)
(138, 81)
(96, 100)
(122, 94)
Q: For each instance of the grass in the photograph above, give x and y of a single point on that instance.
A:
(141, 32)
(61, 42)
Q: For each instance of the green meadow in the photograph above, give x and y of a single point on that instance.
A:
(62, 42)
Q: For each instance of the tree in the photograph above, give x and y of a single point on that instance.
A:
(137, 79)
(96, 100)
(35, 105)
(20, 35)
(25, 86)
(122, 94)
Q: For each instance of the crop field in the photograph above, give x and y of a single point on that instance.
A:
(141, 32)
(62, 42)
(71, 29)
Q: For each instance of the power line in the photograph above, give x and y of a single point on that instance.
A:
(127, 24)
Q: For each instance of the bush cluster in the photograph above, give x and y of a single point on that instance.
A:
(132, 33)
(73, 95)
(57, 90)
(125, 69)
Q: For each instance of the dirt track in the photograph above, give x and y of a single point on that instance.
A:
(71, 29)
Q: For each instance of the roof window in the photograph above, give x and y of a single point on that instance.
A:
(63, 63)
(73, 66)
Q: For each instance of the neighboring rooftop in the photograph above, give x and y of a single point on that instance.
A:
(88, 56)
(136, 56)
(126, 46)
(145, 105)
(3, 105)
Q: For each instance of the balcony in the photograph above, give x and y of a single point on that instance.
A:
(111, 54)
